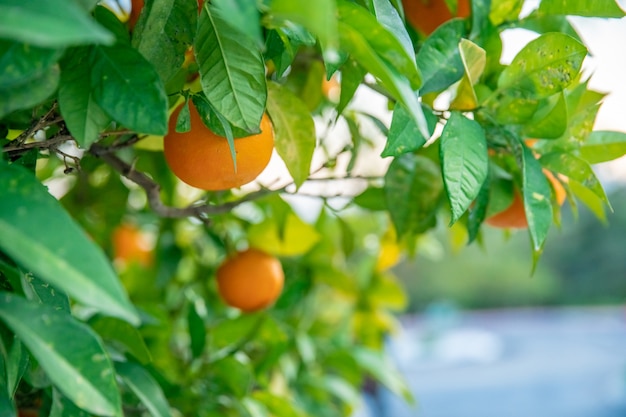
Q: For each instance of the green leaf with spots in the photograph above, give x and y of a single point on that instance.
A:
(439, 58)
(464, 161)
(544, 66)
(603, 146)
(549, 121)
(145, 388)
(576, 169)
(42, 238)
(164, 32)
(43, 292)
(71, 354)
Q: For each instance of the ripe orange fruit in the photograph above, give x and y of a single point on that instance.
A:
(250, 280)
(203, 160)
(514, 216)
(331, 88)
(131, 245)
(427, 15)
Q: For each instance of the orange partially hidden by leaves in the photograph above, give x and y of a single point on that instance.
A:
(131, 245)
(514, 216)
(250, 280)
(135, 10)
(203, 160)
(427, 15)
(331, 88)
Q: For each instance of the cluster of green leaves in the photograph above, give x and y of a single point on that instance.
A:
(156, 339)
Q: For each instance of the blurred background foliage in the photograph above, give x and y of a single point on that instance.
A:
(583, 264)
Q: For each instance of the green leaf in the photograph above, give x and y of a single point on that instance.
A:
(293, 129)
(84, 118)
(164, 32)
(537, 199)
(548, 23)
(244, 15)
(45, 293)
(278, 406)
(20, 62)
(394, 51)
(389, 18)
(464, 162)
(596, 8)
(62, 407)
(128, 89)
(376, 364)
(17, 362)
(544, 66)
(576, 169)
(549, 121)
(6, 403)
(505, 10)
(282, 45)
(439, 58)
(413, 191)
(30, 92)
(373, 198)
(317, 17)
(232, 72)
(197, 330)
(50, 23)
(40, 236)
(589, 199)
(404, 134)
(386, 292)
(354, 42)
(122, 335)
(69, 351)
(512, 106)
(602, 146)
(478, 212)
(183, 122)
(235, 372)
(112, 23)
(474, 59)
(283, 237)
(352, 75)
(145, 388)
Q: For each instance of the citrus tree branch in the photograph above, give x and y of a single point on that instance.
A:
(153, 189)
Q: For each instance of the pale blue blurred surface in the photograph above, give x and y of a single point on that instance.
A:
(568, 362)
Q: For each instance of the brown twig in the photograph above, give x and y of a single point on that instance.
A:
(39, 124)
(46, 144)
(153, 189)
